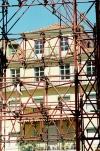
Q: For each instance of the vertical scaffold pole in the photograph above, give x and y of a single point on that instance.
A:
(76, 73)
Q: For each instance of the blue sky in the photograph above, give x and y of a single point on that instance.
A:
(38, 16)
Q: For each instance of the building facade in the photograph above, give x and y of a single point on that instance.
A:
(40, 89)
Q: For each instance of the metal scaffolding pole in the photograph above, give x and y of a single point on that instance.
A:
(50, 112)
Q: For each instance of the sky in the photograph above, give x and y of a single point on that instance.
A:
(38, 16)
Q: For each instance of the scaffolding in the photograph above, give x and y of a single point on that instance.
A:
(71, 21)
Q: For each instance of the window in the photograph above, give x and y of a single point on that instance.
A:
(14, 105)
(39, 71)
(68, 128)
(38, 47)
(52, 130)
(13, 52)
(90, 67)
(91, 106)
(13, 48)
(36, 132)
(12, 142)
(65, 71)
(91, 133)
(15, 73)
(64, 43)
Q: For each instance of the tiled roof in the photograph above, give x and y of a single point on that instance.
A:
(51, 27)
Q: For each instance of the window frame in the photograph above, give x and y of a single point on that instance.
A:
(39, 46)
(15, 74)
(35, 133)
(91, 67)
(64, 43)
(38, 72)
(89, 106)
(13, 49)
(92, 129)
(68, 129)
(64, 72)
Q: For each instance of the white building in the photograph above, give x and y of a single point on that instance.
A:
(49, 52)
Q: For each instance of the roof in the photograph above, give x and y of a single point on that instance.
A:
(49, 31)
(53, 30)
(51, 27)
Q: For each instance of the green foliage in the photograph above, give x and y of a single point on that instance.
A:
(33, 144)
(63, 143)
(25, 146)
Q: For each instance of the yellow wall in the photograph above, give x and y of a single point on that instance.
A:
(28, 110)
(69, 129)
(29, 129)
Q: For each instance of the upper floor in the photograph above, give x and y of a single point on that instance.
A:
(50, 52)
(50, 45)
